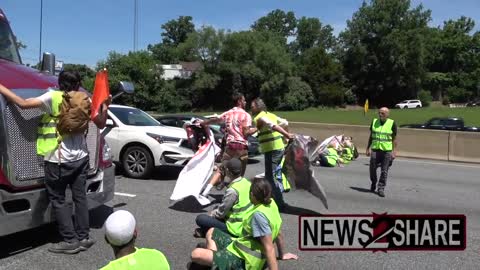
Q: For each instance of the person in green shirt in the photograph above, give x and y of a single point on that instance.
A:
(120, 234)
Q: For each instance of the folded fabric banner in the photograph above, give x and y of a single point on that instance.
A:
(196, 173)
(298, 166)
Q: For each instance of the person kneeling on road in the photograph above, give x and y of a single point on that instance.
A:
(254, 248)
(235, 204)
(120, 234)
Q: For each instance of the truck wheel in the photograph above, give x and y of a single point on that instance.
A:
(137, 162)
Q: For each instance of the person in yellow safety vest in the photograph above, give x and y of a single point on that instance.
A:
(255, 247)
(120, 234)
(384, 147)
(346, 154)
(270, 138)
(329, 157)
(235, 203)
(69, 170)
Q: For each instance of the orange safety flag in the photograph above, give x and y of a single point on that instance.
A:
(101, 92)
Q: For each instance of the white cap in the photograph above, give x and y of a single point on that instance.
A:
(119, 227)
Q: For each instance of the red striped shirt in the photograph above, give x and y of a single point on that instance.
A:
(235, 119)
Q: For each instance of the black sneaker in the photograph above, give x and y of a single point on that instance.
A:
(86, 243)
(381, 193)
(65, 248)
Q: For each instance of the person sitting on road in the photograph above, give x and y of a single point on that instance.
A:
(254, 248)
(120, 234)
(235, 203)
(329, 157)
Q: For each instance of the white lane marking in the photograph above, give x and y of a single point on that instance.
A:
(125, 194)
(435, 163)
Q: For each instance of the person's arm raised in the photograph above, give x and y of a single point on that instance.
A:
(20, 102)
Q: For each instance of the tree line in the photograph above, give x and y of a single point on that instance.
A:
(386, 53)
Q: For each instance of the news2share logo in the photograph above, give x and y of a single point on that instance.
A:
(382, 232)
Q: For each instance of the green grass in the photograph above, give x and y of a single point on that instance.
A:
(470, 115)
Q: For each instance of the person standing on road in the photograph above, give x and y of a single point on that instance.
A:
(237, 122)
(235, 204)
(65, 163)
(120, 234)
(384, 147)
(270, 138)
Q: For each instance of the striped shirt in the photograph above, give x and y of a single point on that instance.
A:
(235, 119)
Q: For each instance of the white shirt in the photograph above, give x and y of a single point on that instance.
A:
(280, 121)
(73, 147)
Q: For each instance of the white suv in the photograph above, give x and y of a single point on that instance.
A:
(140, 143)
(414, 103)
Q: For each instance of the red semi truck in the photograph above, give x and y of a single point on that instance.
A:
(23, 199)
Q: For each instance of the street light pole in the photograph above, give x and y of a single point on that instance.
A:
(41, 24)
(135, 25)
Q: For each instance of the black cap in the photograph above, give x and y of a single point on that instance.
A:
(234, 165)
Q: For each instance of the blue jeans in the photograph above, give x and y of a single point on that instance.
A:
(205, 222)
(272, 159)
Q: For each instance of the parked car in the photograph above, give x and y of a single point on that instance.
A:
(445, 123)
(177, 120)
(473, 103)
(140, 143)
(414, 103)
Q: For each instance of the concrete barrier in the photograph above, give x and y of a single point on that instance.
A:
(464, 146)
(416, 143)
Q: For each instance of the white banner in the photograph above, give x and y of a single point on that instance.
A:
(196, 173)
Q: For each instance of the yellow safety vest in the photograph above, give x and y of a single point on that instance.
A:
(142, 258)
(347, 154)
(269, 140)
(248, 248)
(241, 208)
(47, 137)
(332, 156)
(382, 135)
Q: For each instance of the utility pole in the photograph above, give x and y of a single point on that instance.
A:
(41, 24)
(135, 26)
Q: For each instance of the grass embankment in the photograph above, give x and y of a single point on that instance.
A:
(471, 115)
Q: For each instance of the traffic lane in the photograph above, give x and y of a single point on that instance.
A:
(414, 186)
(343, 199)
(170, 230)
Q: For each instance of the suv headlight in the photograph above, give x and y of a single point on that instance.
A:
(163, 139)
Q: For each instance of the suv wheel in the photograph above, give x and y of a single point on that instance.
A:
(137, 162)
(418, 106)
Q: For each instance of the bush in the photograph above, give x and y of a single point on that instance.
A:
(425, 97)
(457, 94)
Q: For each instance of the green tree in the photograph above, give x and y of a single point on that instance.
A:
(311, 33)
(139, 68)
(205, 45)
(277, 21)
(174, 33)
(384, 49)
(324, 75)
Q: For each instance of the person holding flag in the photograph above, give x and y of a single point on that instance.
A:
(65, 154)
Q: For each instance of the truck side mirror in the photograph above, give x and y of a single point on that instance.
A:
(125, 87)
